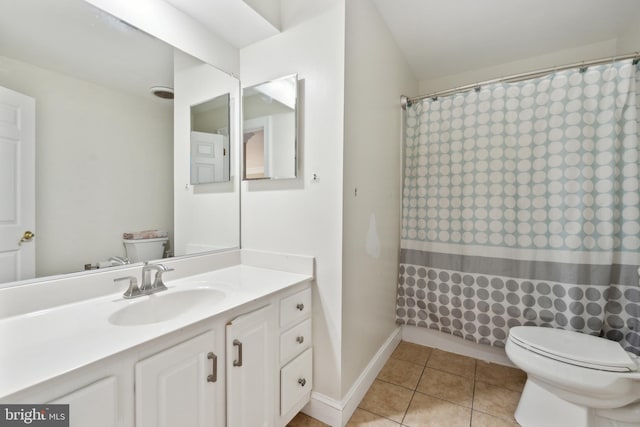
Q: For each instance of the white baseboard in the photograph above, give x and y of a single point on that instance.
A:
(325, 409)
(337, 413)
(452, 344)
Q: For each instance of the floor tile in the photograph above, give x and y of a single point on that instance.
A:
(427, 411)
(446, 386)
(411, 352)
(402, 373)
(362, 418)
(303, 420)
(387, 400)
(478, 419)
(496, 401)
(500, 375)
(452, 363)
(453, 390)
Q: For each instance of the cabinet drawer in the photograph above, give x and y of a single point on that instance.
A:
(295, 307)
(296, 339)
(296, 380)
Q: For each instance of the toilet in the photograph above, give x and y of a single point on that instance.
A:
(145, 249)
(574, 379)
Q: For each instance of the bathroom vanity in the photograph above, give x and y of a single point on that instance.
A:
(228, 344)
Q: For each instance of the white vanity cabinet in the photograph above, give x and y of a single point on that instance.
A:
(179, 386)
(251, 368)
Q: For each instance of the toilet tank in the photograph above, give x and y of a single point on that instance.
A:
(145, 249)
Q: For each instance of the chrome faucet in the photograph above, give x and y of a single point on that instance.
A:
(157, 285)
(146, 287)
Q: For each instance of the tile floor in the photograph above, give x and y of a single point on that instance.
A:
(424, 387)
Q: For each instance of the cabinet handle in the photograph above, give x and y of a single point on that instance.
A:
(302, 382)
(214, 362)
(300, 307)
(238, 362)
(300, 339)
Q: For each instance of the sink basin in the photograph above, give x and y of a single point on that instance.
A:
(164, 306)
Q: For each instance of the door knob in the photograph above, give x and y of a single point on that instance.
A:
(27, 236)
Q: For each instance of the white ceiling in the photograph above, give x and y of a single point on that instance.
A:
(233, 20)
(446, 37)
(438, 37)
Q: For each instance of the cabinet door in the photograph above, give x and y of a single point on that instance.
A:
(251, 369)
(177, 387)
(94, 405)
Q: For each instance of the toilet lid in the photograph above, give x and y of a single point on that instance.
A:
(574, 348)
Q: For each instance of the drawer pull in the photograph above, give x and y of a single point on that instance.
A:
(302, 382)
(214, 372)
(238, 362)
(300, 307)
(300, 339)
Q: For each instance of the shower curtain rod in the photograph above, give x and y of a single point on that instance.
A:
(407, 101)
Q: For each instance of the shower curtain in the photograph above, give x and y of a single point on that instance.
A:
(521, 207)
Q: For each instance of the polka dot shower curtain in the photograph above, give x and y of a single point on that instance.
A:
(521, 207)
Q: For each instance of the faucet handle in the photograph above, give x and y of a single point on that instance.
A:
(133, 290)
(158, 284)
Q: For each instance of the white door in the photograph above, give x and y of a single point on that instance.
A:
(181, 386)
(251, 369)
(17, 185)
(209, 158)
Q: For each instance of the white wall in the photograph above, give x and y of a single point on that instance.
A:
(298, 216)
(103, 166)
(592, 51)
(376, 75)
(629, 41)
(206, 215)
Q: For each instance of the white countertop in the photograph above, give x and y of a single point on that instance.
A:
(39, 346)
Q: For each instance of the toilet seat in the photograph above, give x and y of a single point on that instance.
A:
(574, 348)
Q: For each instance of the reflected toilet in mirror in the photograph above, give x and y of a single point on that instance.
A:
(270, 129)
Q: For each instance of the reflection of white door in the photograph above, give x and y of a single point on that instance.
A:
(17, 185)
(209, 158)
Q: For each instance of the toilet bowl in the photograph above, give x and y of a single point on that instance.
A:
(145, 249)
(574, 379)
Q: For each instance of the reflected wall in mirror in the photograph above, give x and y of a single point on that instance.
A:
(207, 216)
(104, 145)
(270, 129)
(210, 141)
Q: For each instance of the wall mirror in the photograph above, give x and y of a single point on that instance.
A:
(110, 157)
(270, 129)
(210, 151)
